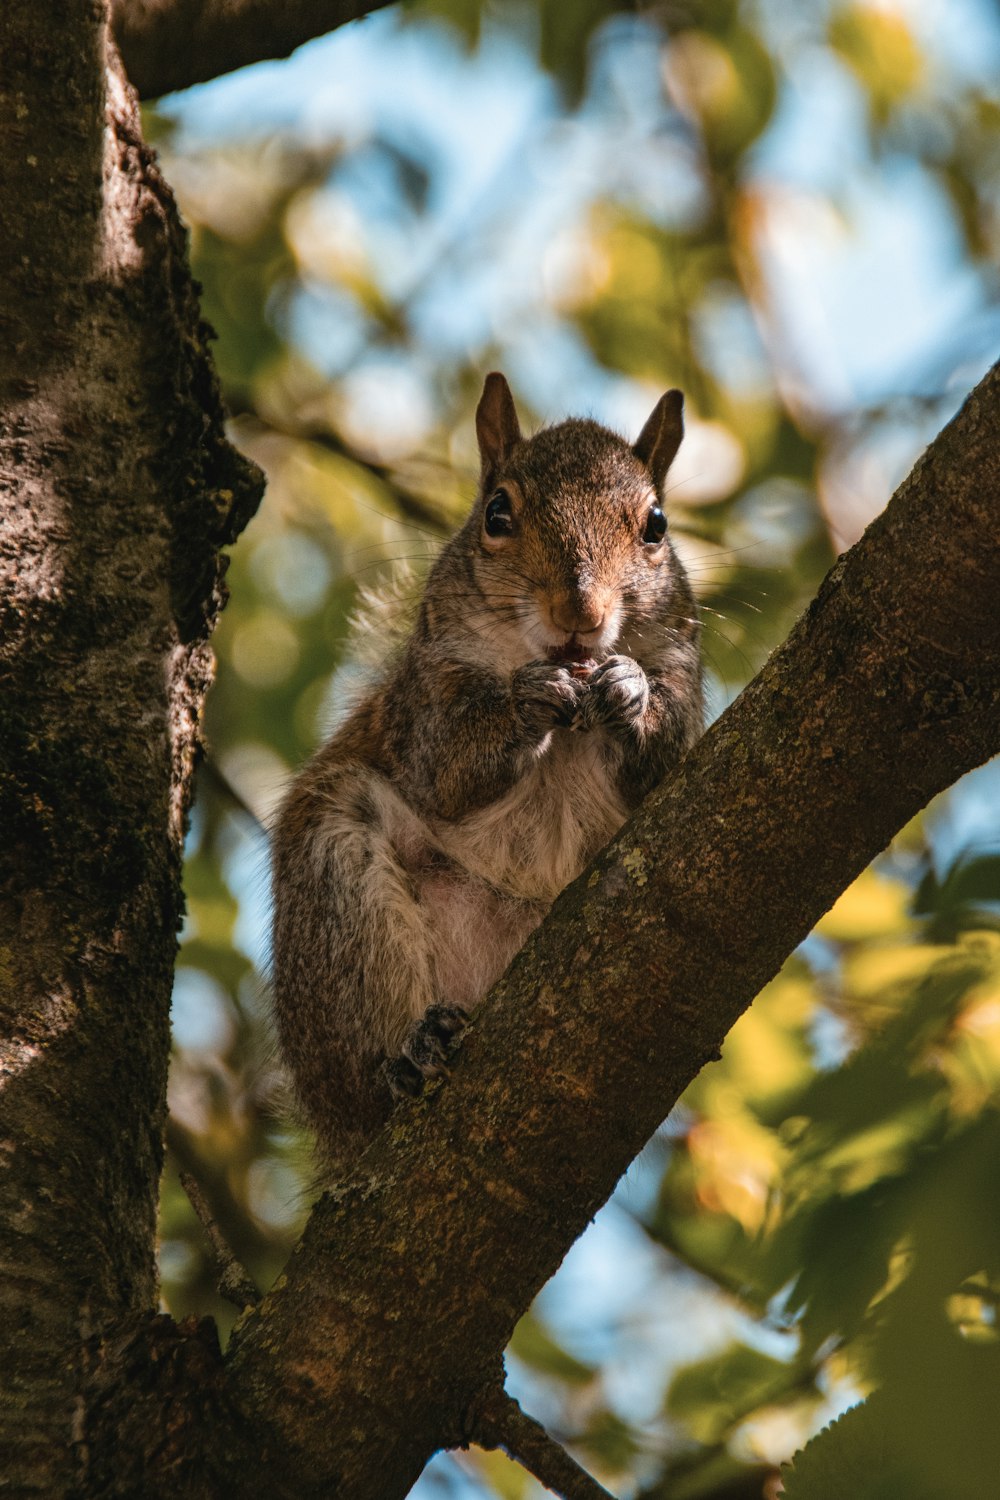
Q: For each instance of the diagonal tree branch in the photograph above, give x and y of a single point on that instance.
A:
(172, 44)
(499, 1422)
(413, 1272)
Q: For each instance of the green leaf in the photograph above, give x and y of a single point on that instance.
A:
(712, 1395)
(533, 1344)
(849, 1458)
(968, 896)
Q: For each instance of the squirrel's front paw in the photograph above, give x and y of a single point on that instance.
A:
(425, 1051)
(619, 693)
(546, 695)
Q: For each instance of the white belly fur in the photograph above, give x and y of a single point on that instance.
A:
(536, 839)
(519, 853)
(503, 864)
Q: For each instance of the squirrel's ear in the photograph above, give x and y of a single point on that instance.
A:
(659, 440)
(497, 427)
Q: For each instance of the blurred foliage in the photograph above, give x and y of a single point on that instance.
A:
(815, 1221)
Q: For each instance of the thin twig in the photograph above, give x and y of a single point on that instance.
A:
(414, 507)
(211, 771)
(235, 1284)
(497, 1421)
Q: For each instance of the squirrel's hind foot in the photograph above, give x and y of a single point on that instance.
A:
(425, 1052)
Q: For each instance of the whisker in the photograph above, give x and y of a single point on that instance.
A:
(717, 553)
(386, 547)
(714, 663)
(753, 635)
(743, 603)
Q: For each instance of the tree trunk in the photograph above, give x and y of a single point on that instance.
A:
(117, 488)
(384, 1337)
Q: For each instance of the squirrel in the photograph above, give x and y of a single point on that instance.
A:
(551, 679)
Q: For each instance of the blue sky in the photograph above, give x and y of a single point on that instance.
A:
(864, 259)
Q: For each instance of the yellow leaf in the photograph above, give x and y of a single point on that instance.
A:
(870, 908)
(870, 972)
(877, 44)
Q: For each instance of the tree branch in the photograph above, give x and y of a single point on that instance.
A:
(235, 1282)
(499, 1422)
(172, 44)
(415, 508)
(412, 1273)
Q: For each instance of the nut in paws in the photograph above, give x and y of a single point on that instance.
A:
(619, 692)
(547, 695)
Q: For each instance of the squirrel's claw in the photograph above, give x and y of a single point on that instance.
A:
(425, 1051)
(404, 1079)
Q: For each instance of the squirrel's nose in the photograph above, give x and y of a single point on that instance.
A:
(576, 615)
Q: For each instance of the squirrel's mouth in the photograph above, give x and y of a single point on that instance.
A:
(571, 653)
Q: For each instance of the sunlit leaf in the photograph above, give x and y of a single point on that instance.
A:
(878, 45)
(873, 907)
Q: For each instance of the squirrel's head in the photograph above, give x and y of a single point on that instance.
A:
(568, 538)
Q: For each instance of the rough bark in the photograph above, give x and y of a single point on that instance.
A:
(171, 44)
(383, 1339)
(117, 488)
(412, 1274)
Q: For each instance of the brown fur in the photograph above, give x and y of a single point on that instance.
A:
(551, 679)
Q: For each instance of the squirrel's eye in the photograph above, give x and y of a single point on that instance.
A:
(499, 517)
(656, 526)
